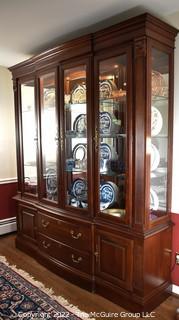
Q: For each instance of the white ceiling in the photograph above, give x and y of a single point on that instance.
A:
(28, 27)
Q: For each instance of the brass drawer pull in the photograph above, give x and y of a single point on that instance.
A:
(78, 260)
(75, 236)
(45, 223)
(45, 245)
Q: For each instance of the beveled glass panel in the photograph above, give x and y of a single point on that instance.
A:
(29, 136)
(159, 133)
(49, 136)
(76, 143)
(113, 133)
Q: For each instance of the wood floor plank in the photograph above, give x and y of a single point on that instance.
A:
(85, 300)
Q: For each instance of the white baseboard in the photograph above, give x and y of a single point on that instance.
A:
(175, 289)
(8, 225)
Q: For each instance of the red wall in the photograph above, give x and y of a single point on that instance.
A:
(7, 204)
(175, 248)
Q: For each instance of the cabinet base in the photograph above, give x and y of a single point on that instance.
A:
(130, 301)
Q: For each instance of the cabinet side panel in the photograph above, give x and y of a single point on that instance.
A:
(157, 261)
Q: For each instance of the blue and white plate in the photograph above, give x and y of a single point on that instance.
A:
(108, 194)
(51, 182)
(80, 152)
(105, 156)
(79, 188)
(80, 124)
(105, 122)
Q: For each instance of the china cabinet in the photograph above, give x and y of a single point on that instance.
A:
(94, 153)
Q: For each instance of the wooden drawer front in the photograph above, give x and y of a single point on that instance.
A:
(27, 225)
(74, 235)
(114, 259)
(65, 254)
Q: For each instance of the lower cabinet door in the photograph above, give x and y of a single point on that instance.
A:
(27, 222)
(114, 259)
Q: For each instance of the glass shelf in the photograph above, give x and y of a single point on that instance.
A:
(113, 135)
(113, 174)
(76, 171)
(74, 134)
(159, 98)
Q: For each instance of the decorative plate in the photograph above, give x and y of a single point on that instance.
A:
(79, 94)
(105, 156)
(106, 88)
(105, 122)
(108, 194)
(154, 201)
(51, 181)
(156, 121)
(79, 188)
(80, 151)
(155, 157)
(158, 84)
(80, 124)
(49, 98)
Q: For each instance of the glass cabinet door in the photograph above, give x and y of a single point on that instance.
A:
(159, 133)
(49, 136)
(76, 141)
(113, 164)
(29, 137)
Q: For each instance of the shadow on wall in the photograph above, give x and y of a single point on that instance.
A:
(96, 27)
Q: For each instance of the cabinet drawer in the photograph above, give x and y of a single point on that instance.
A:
(72, 234)
(65, 254)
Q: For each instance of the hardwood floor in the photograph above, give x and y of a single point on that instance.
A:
(86, 301)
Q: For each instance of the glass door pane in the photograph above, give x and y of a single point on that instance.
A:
(159, 133)
(29, 137)
(49, 137)
(75, 110)
(113, 135)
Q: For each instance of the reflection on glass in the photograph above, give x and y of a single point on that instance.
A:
(112, 124)
(29, 137)
(75, 106)
(49, 136)
(159, 133)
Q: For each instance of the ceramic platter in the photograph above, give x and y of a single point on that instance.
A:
(108, 194)
(155, 157)
(154, 201)
(105, 122)
(80, 152)
(80, 124)
(79, 94)
(51, 181)
(106, 88)
(49, 98)
(156, 121)
(79, 188)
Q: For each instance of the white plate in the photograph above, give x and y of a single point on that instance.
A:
(155, 157)
(154, 201)
(156, 121)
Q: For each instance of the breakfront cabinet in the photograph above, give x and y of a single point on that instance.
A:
(94, 153)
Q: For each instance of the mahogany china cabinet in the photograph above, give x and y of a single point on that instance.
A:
(94, 153)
